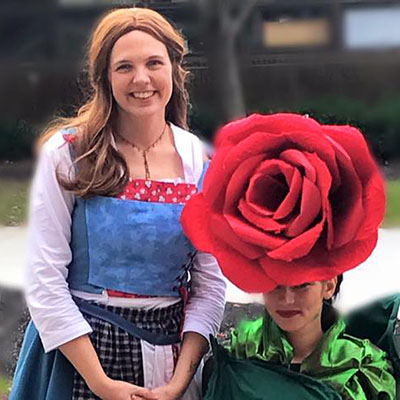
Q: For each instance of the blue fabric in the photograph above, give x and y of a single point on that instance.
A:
(40, 375)
(156, 339)
(130, 246)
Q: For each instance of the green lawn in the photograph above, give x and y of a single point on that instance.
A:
(13, 195)
(13, 201)
(4, 387)
(392, 217)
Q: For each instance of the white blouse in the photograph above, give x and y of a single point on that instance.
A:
(49, 299)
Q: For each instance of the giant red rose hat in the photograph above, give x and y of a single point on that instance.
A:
(287, 200)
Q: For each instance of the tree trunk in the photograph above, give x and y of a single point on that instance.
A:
(225, 76)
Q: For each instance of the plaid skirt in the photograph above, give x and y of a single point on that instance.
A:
(120, 353)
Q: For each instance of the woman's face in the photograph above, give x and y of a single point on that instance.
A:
(295, 307)
(140, 73)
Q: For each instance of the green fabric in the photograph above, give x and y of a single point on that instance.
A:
(354, 367)
(235, 379)
(376, 322)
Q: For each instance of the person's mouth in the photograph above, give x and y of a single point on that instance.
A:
(288, 313)
(143, 95)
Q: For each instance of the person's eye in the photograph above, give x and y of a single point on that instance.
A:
(302, 286)
(123, 67)
(154, 63)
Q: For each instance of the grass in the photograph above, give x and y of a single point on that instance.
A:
(13, 201)
(392, 217)
(4, 387)
(14, 192)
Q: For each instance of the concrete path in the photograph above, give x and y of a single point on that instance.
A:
(379, 275)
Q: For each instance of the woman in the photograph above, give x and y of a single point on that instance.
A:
(288, 206)
(108, 274)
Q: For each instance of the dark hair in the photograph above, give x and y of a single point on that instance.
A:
(329, 314)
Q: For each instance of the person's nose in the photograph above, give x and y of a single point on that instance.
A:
(141, 76)
(288, 296)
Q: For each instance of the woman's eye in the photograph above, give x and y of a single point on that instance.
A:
(154, 63)
(123, 67)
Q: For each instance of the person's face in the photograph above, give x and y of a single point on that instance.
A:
(140, 73)
(295, 307)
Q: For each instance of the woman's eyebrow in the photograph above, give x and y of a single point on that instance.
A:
(121, 62)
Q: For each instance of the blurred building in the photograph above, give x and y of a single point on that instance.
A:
(295, 49)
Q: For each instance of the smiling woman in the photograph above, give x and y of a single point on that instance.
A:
(109, 266)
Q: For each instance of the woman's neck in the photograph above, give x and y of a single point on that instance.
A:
(305, 340)
(143, 131)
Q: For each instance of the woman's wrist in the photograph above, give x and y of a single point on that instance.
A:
(176, 388)
(98, 383)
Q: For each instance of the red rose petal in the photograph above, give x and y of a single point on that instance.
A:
(290, 201)
(297, 158)
(263, 222)
(259, 199)
(239, 181)
(353, 254)
(265, 193)
(195, 223)
(222, 232)
(227, 161)
(246, 274)
(253, 235)
(309, 209)
(299, 246)
(347, 205)
(319, 144)
(354, 144)
(374, 206)
(324, 182)
(297, 272)
(234, 132)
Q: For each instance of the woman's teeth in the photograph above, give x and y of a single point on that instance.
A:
(142, 95)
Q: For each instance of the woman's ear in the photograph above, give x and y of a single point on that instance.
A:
(330, 287)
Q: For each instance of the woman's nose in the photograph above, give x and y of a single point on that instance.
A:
(141, 76)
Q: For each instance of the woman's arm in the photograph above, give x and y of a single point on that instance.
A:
(82, 355)
(53, 311)
(59, 322)
(204, 313)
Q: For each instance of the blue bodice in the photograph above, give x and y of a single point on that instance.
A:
(129, 246)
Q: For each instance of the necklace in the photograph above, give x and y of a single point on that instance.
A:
(144, 152)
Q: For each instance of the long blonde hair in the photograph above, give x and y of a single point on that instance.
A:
(99, 168)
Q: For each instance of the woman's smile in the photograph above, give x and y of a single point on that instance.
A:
(143, 95)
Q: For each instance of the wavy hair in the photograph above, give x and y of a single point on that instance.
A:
(99, 168)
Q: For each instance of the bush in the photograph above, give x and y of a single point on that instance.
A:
(16, 141)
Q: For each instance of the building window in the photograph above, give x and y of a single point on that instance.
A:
(307, 32)
(375, 27)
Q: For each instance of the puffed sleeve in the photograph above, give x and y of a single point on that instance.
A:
(374, 378)
(54, 313)
(205, 308)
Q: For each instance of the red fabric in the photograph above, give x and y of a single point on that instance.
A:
(158, 192)
(287, 200)
(69, 137)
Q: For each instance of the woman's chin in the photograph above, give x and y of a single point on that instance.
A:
(289, 324)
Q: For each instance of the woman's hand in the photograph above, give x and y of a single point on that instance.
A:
(168, 392)
(110, 389)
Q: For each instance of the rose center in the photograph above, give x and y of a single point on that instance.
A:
(268, 191)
